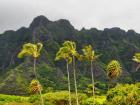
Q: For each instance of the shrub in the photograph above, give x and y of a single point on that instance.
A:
(99, 100)
(59, 98)
(124, 95)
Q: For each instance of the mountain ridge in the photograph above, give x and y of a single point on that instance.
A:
(112, 43)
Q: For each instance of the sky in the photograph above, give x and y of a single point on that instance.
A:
(81, 13)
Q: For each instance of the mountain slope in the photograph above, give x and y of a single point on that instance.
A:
(113, 43)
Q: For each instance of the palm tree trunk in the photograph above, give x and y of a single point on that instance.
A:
(42, 101)
(137, 67)
(68, 82)
(75, 80)
(109, 83)
(93, 86)
(34, 69)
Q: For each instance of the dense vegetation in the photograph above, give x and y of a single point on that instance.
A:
(93, 68)
(122, 94)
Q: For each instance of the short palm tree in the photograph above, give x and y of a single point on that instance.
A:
(136, 58)
(33, 50)
(114, 70)
(73, 53)
(63, 53)
(35, 86)
(90, 56)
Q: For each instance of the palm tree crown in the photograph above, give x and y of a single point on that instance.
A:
(71, 46)
(136, 58)
(35, 86)
(89, 53)
(114, 69)
(30, 49)
(63, 53)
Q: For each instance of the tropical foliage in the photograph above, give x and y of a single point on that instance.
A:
(136, 58)
(35, 87)
(30, 49)
(114, 69)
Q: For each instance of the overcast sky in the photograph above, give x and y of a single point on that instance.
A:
(81, 13)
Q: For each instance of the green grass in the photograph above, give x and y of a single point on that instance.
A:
(5, 99)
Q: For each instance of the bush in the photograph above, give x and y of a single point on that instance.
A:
(34, 98)
(59, 98)
(124, 95)
(99, 100)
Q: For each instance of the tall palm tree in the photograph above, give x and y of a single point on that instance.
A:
(63, 53)
(136, 58)
(33, 50)
(73, 53)
(90, 56)
(114, 70)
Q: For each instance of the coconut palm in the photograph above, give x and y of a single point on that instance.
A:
(35, 86)
(63, 53)
(90, 56)
(33, 50)
(73, 53)
(136, 58)
(114, 70)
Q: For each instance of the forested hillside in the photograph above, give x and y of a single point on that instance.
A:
(16, 74)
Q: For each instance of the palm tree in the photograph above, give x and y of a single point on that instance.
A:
(33, 50)
(136, 58)
(63, 53)
(73, 53)
(114, 70)
(35, 86)
(90, 56)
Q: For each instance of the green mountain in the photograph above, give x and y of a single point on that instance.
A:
(114, 43)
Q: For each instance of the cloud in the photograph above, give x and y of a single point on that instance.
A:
(81, 13)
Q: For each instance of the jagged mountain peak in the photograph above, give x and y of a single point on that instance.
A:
(39, 20)
(64, 22)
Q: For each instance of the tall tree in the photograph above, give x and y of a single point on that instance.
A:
(114, 70)
(136, 58)
(73, 53)
(63, 53)
(90, 56)
(33, 50)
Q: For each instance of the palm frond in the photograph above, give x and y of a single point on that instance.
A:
(89, 53)
(30, 49)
